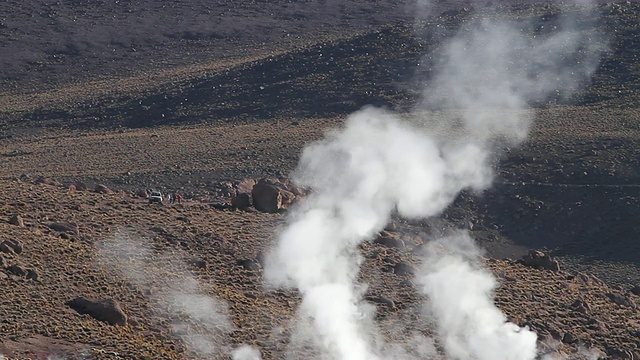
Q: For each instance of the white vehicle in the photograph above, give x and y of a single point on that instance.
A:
(155, 197)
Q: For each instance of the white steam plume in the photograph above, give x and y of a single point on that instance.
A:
(246, 352)
(460, 294)
(379, 164)
(200, 320)
(491, 69)
(375, 165)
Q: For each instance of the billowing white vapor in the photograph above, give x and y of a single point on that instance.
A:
(379, 164)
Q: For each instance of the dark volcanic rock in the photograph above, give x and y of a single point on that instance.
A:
(80, 186)
(102, 189)
(249, 264)
(198, 263)
(245, 186)
(540, 260)
(32, 275)
(142, 193)
(569, 338)
(16, 220)
(241, 201)
(381, 300)
(16, 269)
(389, 240)
(271, 196)
(403, 268)
(588, 279)
(621, 300)
(106, 310)
(64, 227)
(580, 306)
(14, 245)
(48, 181)
(6, 249)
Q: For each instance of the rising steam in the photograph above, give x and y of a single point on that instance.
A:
(379, 164)
(460, 293)
(200, 320)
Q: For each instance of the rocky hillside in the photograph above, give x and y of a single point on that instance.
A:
(202, 98)
(60, 244)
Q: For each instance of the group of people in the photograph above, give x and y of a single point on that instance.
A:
(174, 198)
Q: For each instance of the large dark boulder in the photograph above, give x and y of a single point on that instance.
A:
(242, 198)
(242, 201)
(106, 310)
(270, 195)
(540, 260)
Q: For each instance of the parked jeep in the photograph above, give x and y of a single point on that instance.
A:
(155, 197)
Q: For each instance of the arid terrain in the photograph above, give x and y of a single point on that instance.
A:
(103, 100)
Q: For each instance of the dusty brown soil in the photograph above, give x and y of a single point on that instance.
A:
(180, 109)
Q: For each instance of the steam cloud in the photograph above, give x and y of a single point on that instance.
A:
(460, 293)
(379, 164)
(200, 320)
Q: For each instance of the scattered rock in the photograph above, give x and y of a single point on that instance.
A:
(142, 193)
(14, 245)
(2, 261)
(596, 324)
(245, 186)
(580, 306)
(16, 269)
(617, 353)
(48, 181)
(64, 227)
(16, 220)
(389, 240)
(540, 260)
(621, 300)
(588, 279)
(241, 201)
(249, 264)
(198, 263)
(80, 186)
(556, 334)
(32, 275)
(224, 189)
(241, 196)
(403, 269)
(102, 189)
(381, 300)
(635, 290)
(6, 249)
(106, 310)
(569, 338)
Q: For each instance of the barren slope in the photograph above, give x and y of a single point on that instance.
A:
(245, 106)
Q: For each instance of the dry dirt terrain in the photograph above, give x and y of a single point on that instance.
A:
(101, 100)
